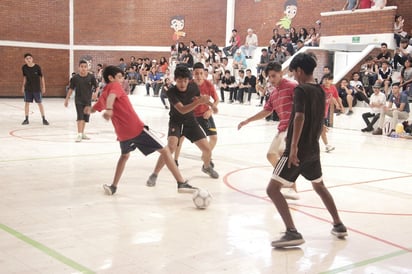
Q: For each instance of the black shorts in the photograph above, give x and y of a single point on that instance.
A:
(309, 168)
(80, 113)
(193, 132)
(30, 96)
(146, 142)
(208, 125)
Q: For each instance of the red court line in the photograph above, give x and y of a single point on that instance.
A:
(226, 182)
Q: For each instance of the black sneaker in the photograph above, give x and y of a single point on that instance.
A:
(339, 231)
(211, 172)
(211, 163)
(109, 190)
(185, 188)
(45, 122)
(291, 238)
(25, 122)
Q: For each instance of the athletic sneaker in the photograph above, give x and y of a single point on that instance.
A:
(85, 137)
(210, 171)
(78, 138)
(152, 180)
(185, 188)
(290, 194)
(211, 163)
(45, 122)
(339, 231)
(291, 238)
(109, 190)
(25, 122)
(329, 148)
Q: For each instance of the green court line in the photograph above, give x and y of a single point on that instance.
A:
(366, 262)
(46, 250)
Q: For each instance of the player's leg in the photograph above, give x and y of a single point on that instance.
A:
(283, 176)
(178, 149)
(38, 99)
(121, 163)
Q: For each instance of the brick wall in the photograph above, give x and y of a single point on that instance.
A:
(134, 23)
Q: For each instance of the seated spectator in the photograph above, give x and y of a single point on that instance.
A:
(398, 100)
(369, 73)
(212, 46)
(228, 83)
(384, 55)
(154, 81)
(346, 93)
(399, 33)
(312, 39)
(251, 43)
(402, 53)
(163, 65)
(365, 4)
(299, 45)
(326, 71)
(377, 103)
(239, 60)
(286, 45)
(351, 5)
(406, 76)
(132, 76)
(234, 44)
(384, 76)
(379, 4)
(303, 34)
(264, 61)
(276, 40)
(125, 84)
(293, 36)
(360, 92)
(278, 55)
(186, 58)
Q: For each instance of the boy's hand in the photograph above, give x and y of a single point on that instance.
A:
(87, 110)
(293, 157)
(108, 114)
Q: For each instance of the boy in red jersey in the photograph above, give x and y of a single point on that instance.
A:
(117, 107)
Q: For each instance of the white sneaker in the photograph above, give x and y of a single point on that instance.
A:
(85, 137)
(289, 193)
(79, 138)
(329, 148)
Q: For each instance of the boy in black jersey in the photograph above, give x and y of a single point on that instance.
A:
(301, 156)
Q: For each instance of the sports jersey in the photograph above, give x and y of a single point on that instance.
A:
(185, 97)
(206, 88)
(125, 120)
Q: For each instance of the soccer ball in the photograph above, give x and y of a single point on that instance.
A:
(202, 198)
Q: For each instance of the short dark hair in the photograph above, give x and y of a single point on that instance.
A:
(111, 71)
(198, 65)
(27, 54)
(328, 76)
(182, 72)
(305, 61)
(384, 44)
(227, 71)
(275, 66)
(241, 71)
(234, 30)
(396, 84)
(82, 62)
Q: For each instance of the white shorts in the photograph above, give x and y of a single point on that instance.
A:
(278, 144)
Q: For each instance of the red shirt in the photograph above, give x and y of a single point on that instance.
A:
(281, 101)
(365, 4)
(329, 93)
(206, 88)
(126, 123)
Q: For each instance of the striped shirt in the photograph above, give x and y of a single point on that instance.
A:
(281, 101)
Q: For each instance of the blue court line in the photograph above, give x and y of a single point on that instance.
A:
(48, 251)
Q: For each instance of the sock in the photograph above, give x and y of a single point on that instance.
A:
(27, 117)
(291, 230)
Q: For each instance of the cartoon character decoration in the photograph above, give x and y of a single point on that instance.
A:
(178, 23)
(290, 10)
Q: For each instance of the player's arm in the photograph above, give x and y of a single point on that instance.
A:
(183, 109)
(24, 84)
(298, 122)
(43, 84)
(258, 116)
(69, 94)
(109, 106)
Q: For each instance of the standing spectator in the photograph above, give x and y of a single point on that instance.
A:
(302, 154)
(379, 4)
(33, 87)
(163, 93)
(122, 64)
(250, 84)
(376, 103)
(351, 5)
(234, 44)
(365, 4)
(251, 43)
(85, 84)
(332, 98)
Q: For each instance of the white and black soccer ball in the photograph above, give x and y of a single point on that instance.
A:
(202, 198)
